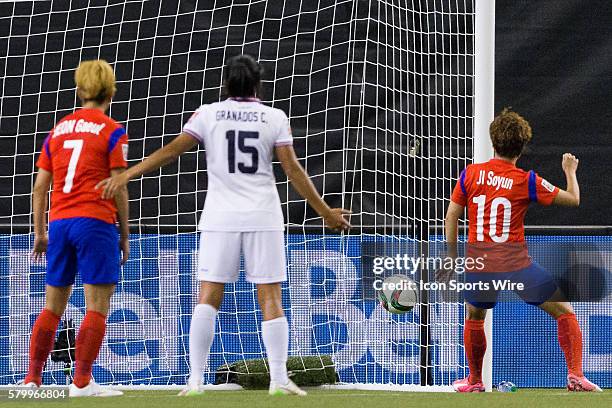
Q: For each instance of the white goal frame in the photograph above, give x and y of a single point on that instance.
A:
(484, 105)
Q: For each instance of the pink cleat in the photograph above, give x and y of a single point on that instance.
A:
(464, 385)
(581, 384)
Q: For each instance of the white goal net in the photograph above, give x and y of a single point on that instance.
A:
(379, 96)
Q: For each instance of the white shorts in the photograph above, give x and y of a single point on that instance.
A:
(264, 256)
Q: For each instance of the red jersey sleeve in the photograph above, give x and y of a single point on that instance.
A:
(118, 148)
(540, 190)
(44, 159)
(459, 193)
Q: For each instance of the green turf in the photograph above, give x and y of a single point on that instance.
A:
(541, 398)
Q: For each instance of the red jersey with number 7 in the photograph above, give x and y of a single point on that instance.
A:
(80, 151)
(497, 195)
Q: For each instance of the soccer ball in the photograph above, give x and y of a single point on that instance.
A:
(398, 294)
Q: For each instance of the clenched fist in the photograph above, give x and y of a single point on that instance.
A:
(569, 163)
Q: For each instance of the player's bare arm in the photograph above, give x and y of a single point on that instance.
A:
(570, 197)
(453, 213)
(159, 158)
(123, 214)
(40, 193)
(451, 221)
(333, 217)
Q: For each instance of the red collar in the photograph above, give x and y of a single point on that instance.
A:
(502, 161)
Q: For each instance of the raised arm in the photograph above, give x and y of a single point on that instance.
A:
(40, 193)
(159, 158)
(333, 217)
(123, 213)
(570, 197)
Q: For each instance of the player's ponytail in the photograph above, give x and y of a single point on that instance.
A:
(242, 77)
(95, 81)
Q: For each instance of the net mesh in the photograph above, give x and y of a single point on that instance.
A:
(379, 95)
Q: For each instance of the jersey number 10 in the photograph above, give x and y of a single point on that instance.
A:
(495, 204)
(230, 135)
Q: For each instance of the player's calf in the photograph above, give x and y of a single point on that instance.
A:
(88, 344)
(41, 344)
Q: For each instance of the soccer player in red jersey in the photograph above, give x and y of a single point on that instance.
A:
(497, 195)
(83, 148)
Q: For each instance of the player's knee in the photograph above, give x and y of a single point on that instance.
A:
(556, 309)
(271, 310)
(211, 293)
(270, 300)
(269, 292)
(214, 300)
(56, 299)
(97, 297)
(99, 305)
(475, 313)
(565, 308)
(56, 307)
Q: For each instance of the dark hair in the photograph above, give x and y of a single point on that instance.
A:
(510, 132)
(242, 76)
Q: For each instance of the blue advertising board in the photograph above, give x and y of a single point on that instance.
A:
(328, 309)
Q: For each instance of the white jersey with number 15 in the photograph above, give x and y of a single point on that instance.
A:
(239, 135)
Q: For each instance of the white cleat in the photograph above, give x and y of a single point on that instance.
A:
(191, 391)
(29, 386)
(288, 389)
(92, 389)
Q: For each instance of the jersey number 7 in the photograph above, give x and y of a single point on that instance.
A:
(231, 151)
(76, 146)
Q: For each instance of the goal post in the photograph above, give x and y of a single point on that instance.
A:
(484, 105)
(384, 98)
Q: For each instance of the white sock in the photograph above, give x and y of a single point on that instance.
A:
(275, 335)
(201, 335)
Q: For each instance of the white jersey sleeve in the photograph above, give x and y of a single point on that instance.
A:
(195, 126)
(285, 137)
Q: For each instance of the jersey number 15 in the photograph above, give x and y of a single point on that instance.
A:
(230, 135)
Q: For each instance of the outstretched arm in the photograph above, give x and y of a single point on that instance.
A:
(570, 197)
(159, 158)
(333, 217)
(39, 206)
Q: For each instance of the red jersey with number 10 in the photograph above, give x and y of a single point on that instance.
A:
(80, 151)
(497, 194)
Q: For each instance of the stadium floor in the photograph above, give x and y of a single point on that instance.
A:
(542, 398)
